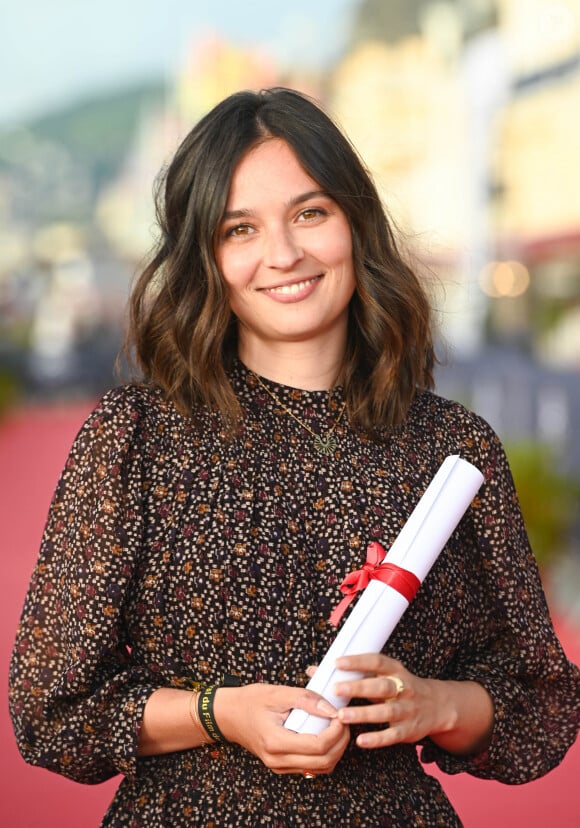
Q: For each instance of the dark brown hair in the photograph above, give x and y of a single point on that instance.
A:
(182, 334)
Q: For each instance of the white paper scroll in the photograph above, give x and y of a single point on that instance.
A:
(379, 607)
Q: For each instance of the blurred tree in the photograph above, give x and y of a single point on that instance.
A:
(388, 22)
(9, 390)
(395, 20)
(549, 499)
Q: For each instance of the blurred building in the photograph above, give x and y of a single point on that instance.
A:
(468, 114)
(537, 174)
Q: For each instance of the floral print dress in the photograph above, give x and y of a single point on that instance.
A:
(173, 555)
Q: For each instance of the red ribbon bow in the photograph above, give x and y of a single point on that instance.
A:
(402, 580)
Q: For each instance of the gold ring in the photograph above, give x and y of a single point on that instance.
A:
(399, 685)
(308, 774)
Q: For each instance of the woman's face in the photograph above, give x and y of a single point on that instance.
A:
(285, 251)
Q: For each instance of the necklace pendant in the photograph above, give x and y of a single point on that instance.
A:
(325, 445)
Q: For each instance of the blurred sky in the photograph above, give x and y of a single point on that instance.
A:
(53, 51)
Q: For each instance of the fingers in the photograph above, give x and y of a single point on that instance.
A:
(330, 739)
(293, 753)
(381, 738)
(256, 723)
(369, 663)
(375, 688)
(395, 716)
(385, 677)
(391, 688)
(315, 704)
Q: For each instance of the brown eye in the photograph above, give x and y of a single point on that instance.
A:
(238, 230)
(311, 213)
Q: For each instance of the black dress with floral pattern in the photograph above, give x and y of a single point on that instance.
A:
(173, 555)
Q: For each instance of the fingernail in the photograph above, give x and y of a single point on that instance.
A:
(326, 709)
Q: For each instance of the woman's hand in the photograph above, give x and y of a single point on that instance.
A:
(254, 716)
(456, 715)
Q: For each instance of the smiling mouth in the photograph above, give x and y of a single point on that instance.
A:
(294, 288)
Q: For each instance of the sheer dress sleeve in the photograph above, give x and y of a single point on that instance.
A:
(75, 698)
(513, 650)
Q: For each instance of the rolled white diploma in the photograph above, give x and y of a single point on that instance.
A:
(379, 607)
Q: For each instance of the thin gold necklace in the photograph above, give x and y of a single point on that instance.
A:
(323, 445)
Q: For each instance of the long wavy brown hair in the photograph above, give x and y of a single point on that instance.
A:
(182, 335)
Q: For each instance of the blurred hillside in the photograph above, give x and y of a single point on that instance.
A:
(54, 167)
(62, 287)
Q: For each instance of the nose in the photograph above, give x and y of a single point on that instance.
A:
(281, 249)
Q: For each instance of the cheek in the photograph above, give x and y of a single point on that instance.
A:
(234, 267)
(339, 246)
(341, 256)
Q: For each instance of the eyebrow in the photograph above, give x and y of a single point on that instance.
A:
(299, 199)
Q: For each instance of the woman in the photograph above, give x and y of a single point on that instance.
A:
(207, 515)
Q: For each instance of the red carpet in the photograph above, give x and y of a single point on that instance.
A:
(33, 447)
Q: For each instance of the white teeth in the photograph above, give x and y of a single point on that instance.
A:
(292, 289)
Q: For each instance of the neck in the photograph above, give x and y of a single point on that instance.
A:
(298, 365)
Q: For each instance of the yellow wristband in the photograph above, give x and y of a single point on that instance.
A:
(206, 715)
(194, 716)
